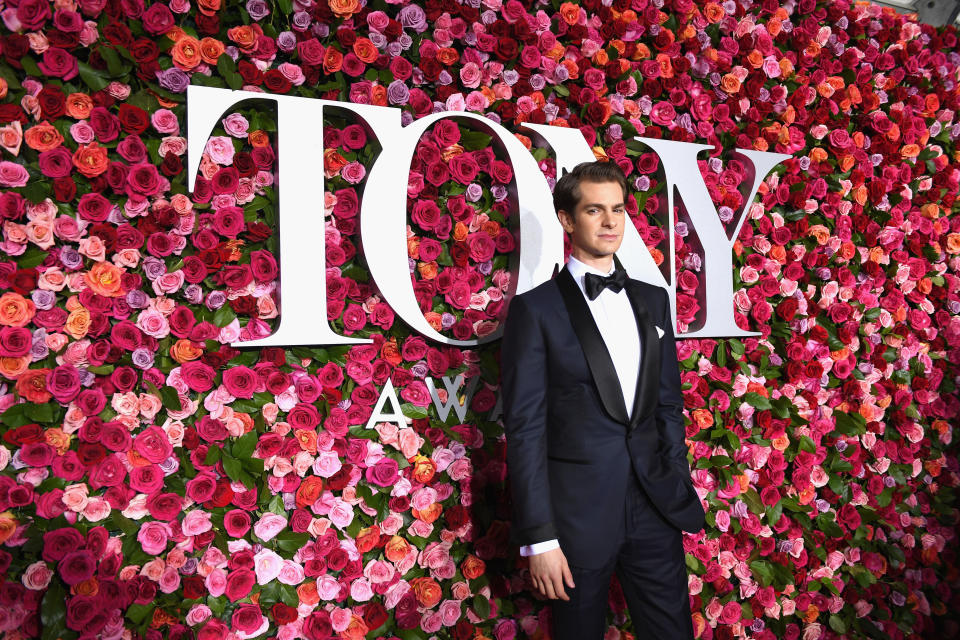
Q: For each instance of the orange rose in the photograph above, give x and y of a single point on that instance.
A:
(396, 549)
(472, 567)
(356, 630)
(423, 469)
(343, 8)
(13, 368)
(309, 491)
(90, 159)
(378, 95)
(186, 53)
(184, 350)
(429, 514)
(730, 83)
(307, 593)
(208, 7)
(332, 60)
(307, 440)
(78, 323)
(43, 137)
(333, 162)
(58, 439)
(245, 37)
(427, 270)
(88, 587)
(32, 386)
(447, 55)
(427, 591)
(433, 319)
(364, 49)
(491, 228)
(104, 279)
(258, 138)
(368, 538)
(8, 524)
(210, 50)
(79, 106)
(15, 310)
(460, 231)
(390, 352)
(570, 13)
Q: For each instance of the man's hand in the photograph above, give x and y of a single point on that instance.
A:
(549, 571)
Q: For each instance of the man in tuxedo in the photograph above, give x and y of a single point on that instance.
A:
(594, 425)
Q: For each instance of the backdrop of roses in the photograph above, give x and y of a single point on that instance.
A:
(157, 483)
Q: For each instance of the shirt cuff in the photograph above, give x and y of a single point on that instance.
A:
(539, 547)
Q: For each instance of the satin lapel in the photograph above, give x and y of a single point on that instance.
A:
(648, 381)
(594, 349)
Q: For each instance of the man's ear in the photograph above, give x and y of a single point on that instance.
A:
(565, 217)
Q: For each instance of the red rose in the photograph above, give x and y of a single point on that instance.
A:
(158, 19)
(282, 614)
(201, 487)
(164, 506)
(32, 14)
(247, 618)
(303, 416)
(81, 610)
(849, 517)
(239, 584)
(240, 381)
(144, 179)
(317, 626)
(276, 82)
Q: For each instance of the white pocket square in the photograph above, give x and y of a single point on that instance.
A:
(659, 331)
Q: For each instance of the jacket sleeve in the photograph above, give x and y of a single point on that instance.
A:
(523, 360)
(669, 413)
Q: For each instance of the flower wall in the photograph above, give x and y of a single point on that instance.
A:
(157, 483)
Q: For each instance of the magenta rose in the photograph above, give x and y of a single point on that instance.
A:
(59, 64)
(481, 246)
(144, 179)
(164, 506)
(463, 168)
(263, 265)
(317, 626)
(201, 487)
(15, 342)
(236, 522)
(240, 381)
(303, 416)
(426, 214)
(153, 444)
(157, 19)
(247, 618)
(59, 542)
(77, 566)
(91, 401)
(63, 382)
(239, 584)
(146, 478)
(211, 430)
(354, 317)
(81, 610)
(199, 376)
(384, 473)
(228, 221)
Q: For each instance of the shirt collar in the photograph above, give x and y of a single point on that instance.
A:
(578, 270)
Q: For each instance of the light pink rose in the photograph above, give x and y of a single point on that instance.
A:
(153, 537)
(197, 614)
(269, 526)
(290, 573)
(327, 464)
(165, 121)
(360, 590)
(449, 612)
(431, 622)
(327, 587)
(340, 619)
(379, 571)
(220, 149)
(216, 582)
(423, 498)
(37, 576)
(169, 580)
(418, 528)
(341, 513)
(13, 174)
(267, 565)
(236, 125)
(96, 509)
(196, 522)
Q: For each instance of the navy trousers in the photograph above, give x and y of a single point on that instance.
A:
(652, 571)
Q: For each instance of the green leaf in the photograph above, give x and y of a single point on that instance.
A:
(413, 411)
(232, 467)
(53, 611)
(481, 606)
(244, 445)
(758, 401)
(837, 623)
(139, 612)
(170, 399)
(30, 67)
(291, 541)
(213, 454)
(32, 257)
(94, 79)
(224, 316)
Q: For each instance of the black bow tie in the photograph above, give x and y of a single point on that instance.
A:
(594, 283)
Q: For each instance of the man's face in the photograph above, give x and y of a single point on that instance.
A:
(596, 229)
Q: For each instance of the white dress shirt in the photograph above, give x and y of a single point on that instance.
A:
(614, 316)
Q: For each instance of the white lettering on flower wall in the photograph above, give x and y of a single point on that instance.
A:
(383, 213)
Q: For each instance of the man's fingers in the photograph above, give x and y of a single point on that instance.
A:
(567, 574)
(558, 587)
(548, 589)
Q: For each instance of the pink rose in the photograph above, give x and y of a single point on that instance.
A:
(239, 584)
(236, 522)
(247, 618)
(267, 564)
(269, 525)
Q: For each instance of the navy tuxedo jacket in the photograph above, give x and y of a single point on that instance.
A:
(570, 446)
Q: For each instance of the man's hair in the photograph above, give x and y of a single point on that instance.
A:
(566, 193)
